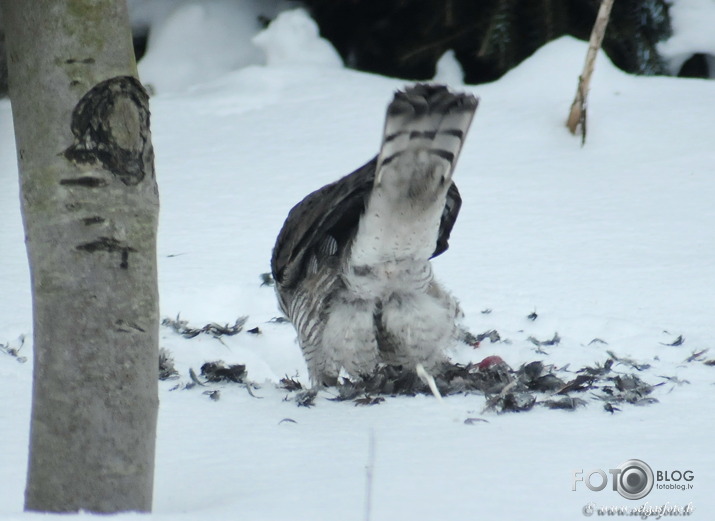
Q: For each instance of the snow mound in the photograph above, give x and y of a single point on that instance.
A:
(562, 60)
(197, 42)
(293, 39)
(693, 22)
(449, 71)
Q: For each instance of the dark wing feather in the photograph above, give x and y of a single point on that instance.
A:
(335, 210)
(449, 217)
(339, 204)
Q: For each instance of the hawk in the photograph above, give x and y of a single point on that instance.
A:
(352, 264)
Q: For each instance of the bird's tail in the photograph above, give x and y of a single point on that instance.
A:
(425, 127)
(424, 131)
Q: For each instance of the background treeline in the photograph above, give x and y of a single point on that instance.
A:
(406, 38)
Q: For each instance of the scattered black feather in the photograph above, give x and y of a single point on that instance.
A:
(369, 400)
(642, 401)
(677, 342)
(580, 383)
(474, 421)
(290, 384)
(249, 388)
(279, 320)
(629, 362)
(167, 371)
(597, 341)
(555, 340)
(598, 369)
(610, 408)
(486, 311)
(511, 402)
(474, 340)
(532, 316)
(267, 279)
(627, 382)
(182, 386)
(566, 403)
(306, 398)
(386, 379)
(537, 379)
(493, 378)
(254, 331)
(675, 380)
(213, 329)
(220, 372)
(14, 351)
(490, 376)
(696, 356)
(214, 395)
(629, 389)
(195, 379)
(532, 370)
(492, 335)
(469, 339)
(347, 390)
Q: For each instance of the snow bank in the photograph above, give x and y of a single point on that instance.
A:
(449, 71)
(194, 42)
(693, 32)
(293, 39)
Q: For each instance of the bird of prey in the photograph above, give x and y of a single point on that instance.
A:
(352, 262)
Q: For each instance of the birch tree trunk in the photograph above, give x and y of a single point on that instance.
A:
(577, 114)
(90, 208)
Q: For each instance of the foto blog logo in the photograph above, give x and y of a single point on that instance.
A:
(632, 479)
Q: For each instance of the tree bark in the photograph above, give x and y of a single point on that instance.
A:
(577, 115)
(90, 210)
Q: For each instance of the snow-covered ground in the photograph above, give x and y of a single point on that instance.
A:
(613, 240)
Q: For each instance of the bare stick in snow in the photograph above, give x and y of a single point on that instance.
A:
(577, 116)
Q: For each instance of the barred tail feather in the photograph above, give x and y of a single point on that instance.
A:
(427, 118)
(424, 130)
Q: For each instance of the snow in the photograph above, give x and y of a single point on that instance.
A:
(194, 42)
(293, 39)
(449, 70)
(692, 22)
(612, 240)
